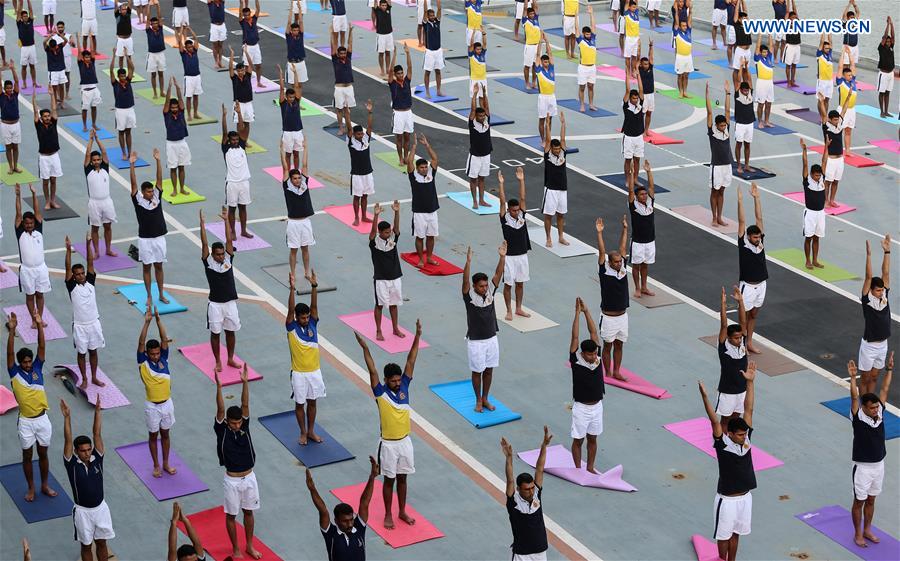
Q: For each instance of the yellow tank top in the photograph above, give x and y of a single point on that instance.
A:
(473, 18)
(632, 25)
(477, 67)
(845, 90)
(570, 7)
(532, 32)
(682, 45)
(826, 68)
(546, 81)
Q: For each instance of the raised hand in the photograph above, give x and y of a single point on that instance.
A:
(369, 105)
(625, 222)
(395, 206)
(12, 322)
(506, 447)
(754, 190)
(647, 166)
(468, 257)
(502, 249)
(155, 154)
(547, 435)
(64, 408)
(418, 327)
(291, 280)
(520, 173)
(376, 210)
(244, 375)
(68, 244)
(599, 225)
(375, 469)
(750, 373)
(886, 242)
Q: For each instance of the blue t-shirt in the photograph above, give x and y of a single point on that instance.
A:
(296, 52)
(250, 31)
(432, 34)
(9, 107)
(124, 95)
(401, 94)
(780, 9)
(346, 547)
(191, 63)
(338, 8)
(343, 71)
(88, 73)
(290, 116)
(86, 480)
(156, 42)
(719, 5)
(56, 61)
(26, 32)
(216, 12)
(176, 127)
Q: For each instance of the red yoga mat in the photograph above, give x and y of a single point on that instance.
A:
(854, 160)
(443, 267)
(210, 528)
(658, 139)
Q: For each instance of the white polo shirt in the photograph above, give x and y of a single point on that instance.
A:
(98, 181)
(84, 300)
(237, 168)
(31, 245)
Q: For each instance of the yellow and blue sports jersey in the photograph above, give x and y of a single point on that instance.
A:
(28, 388)
(473, 14)
(546, 79)
(532, 27)
(570, 8)
(477, 65)
(393, 409)
(156, 379)
(764, 66)
(824, 67)
(846, 88)
(683, 44)
(304, 345)
(632, 24)
(587, 50)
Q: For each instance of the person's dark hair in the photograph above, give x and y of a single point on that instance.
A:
(478, 277)
(152, 344)
(24, 353)
(512, 202)
(476, 44)
(869, 398)
(745, 86)
(62, 23)
(555, 143)
(343, 509)
(384, 225)
(342, 49)
(736, 424)
(851, 14)
(398, 68)
(523, 478)
(28, 215)
(146, 185)
(240, 66)
(529, 11)
(294, 172)
(846, 69)
(185, 550)
(545, 57)
(121, 72)
(479, 111)
(289, 91)
(815, 168)
(246, 11)
(234, 413)
(154, 19)
(96, 153)
(645, 59)
(589, 346)
(877, 282)
(217, 245)
(742, 14)
(639, 188)
(391, 370)
(173, 101)
(81, 440)
(764, 47)
(720, 119)
(77, 267)
(421, 162)
(295, 25)
(633, 93)
(586, 29)
(7, 83)
(833, 114)
(357, 128)
(753, 230)
(826, 43)
(188, 42)
(792, 13)
(301, 309)
(232, 134)
(732, 329)
(85, 52)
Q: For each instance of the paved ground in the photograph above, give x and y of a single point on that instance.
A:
(457, 484)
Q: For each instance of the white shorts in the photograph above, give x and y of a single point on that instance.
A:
(48, 7)
(885, 82)
(292, 141)
(653, 5)
(643, 253)
(139, 3)
(684, 64)
(222, 315)
(101, 211)
(854, 56)
(743, 132)
(871, 355)
(434, 60)
(719, 17)
(34, 279)
(732, 515)
(307, 386)
(88, 27)
(569, 25)
(395, 457)
(299, 233)
(339, 23)
(730, 37)
(68, 59)
(124, 46)
(753, 294)
(49, 166)
(546, 106)
(159, 416)
(835, 169)
(483, 353)
(344, 97)
(35, 429)
(87, 336)
(218, 32)
(389, 292)
(301, 72)
(384, 43)
(649, 103)
(11, 133)
(850, 118)
(587, 419)
(473, 33)
(776, 37)
(152, 250)
(791, 54)
(237, 193)
(630, 48)
(813, 223)
(90, 98)
(241, 493)
(515, 269)
(720, 176)
(254, 53)
(520, 10)
(402, 122)
(125, 119)
(632, 147)
(302, 9)
(93, 523)
(614, 328)
(824, 89)
(178, 153)
(420, 12)
(867, 479)
(740, 54)
(180, 17)
(765, 91)
(156, 62)
(472, 83)
(28, 55)
(361, 185)
(478, 166)
(729, 403)
(57, 78)
(587, 74)
(425, 224)
(193, 85)
(555, 202)
(529, 52)
(247, 112)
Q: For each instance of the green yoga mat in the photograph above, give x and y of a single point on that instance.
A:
(135, 78)
(307, 110)
(795, 258)
(255, 147)
(179, 199)
(22, 177)
(691, 100)
(203, 119)
(390, 158)
(147, 93)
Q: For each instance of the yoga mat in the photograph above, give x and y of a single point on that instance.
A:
(138, 25)
(518, 84)
(185, 482)
(7, 400)
(698, 433)
(776, 130)
(836, 523)
(136, 295)
(280, 273)
(854, 160)
(702, 215)
(841, 406)
(805, 114)
(252, 147)
(75, 128)
(276, 173)
(637, 384)
(402, 534)
(364, 323)
(865, 86)
(770, 362)
(29, 335)
(110, 396)
(612, 51)
(558, 31)
(135, 78)
(887, 144)
(413, 44)
(538, 144)
(98, 56)
(363, 24)
(29, 89)
(559, 463)
(800, 88)
(390, 158)
(63, 212)
(658, 300)
(496, 120)
(705, 549)
(443, 268)
(147, 93)
(283, 426)
(104, 263)
(618, 181)
(463, 61)
(8, 279)
(200, 355)
(267, 85)
(235, 12)
(114, 153)
(344, 214)
(178, 198)
(240, 243)
(795, 258)
(670, 69)
(614, 71)
(575, 105)
(723, 63)
(24, 176)
(324, 49)
(692, 100)
(43, 507)
(575, 248)
(875, 113)
(420, 93)
(307, 109)
(210, 527)
(658, 139)
(461, 398)
(464, 198)
(757, 173)
(522, 324)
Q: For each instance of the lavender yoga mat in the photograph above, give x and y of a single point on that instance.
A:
(104, 263)
(184, 482)
(9, 278)
(29, 335)
(559, 463)
(804, 89)
(697, 433)
(240, 243)
(110, 396)
(834, 521)
(805, 114)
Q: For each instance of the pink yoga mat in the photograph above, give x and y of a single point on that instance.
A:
(864, 86)
(854, 160)
(344, 214)
(104, 263)
(7, 400)
(363, 24)
(887, 144)
(240, 243)
(184, 482)
(200, 355)
(364, 324)
(559, 463)
(137, 25)
(276, 173)
(613, 71)
(29, 335)
(403, 534)
(8, 279)
(702, 215)
(110, 395)
(638, 385)
(267, 85)
(210, 527)
(698, 433)
(834, 211)
(658, 139)
(705, 549)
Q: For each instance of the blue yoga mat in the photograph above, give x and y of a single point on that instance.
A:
(535, 142)
(776, 130)
(841, 406)
(558, 31)
(723, 63)
(460, 396)
(332, 129)
(115, 159)
(420, 93)
(43, 507)
(283, 426)
(496, 120)
(464, 198)
(574, 105)
(618, 180)
(517, 83)
(670, 69)
(875, 113)
(102, 133)
(136, 295)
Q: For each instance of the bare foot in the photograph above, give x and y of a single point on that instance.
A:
(508, 316)
(47, 205)
(51, 493)
(247, 235)
(593, 107)
(34, 325)
(98, 383)
(157, 473)
(818, 265)
(43, 324)
(163, 299)
(722, 222)
(482, 202)
(189, 118)
(236, 554)
(593, 470)
(84, 129)
(366, 219)
(581, 108)
(341, 130)
(379, 336)
(174, 192)
(563, 241)
(420, 264)
(754, 350)
(648, 292)
(871, 537)
(549, 243)
(858, 540)
(487, 404)
(522, 313)
(833, 204)
(809, 265)
(356, 221)
(478, 408)
(303, 439)
(218, 366)
(740, 170)
(111, 253)
(714, 224)
(29, 495)
(83, 385)
(233, 363)
(398, 333)
(315, 438)
(432, 261)
(250, 551)
(715, 47)
(184, 191)
(170, 470)
(440, 93)
(388, 522)
(618, 376)
(637, 293)
(428, 95)
(407, 518)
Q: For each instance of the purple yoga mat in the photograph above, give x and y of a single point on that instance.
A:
(240, 243)
(184, 482)
(29, 89)
(8, 279)
(110, 396)
(834, 521)
(614, 51)
(29, 335)
(799, 88)
(104, 263)
(559, 463)
(806, 114)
